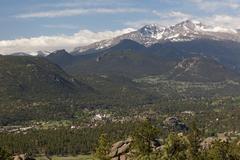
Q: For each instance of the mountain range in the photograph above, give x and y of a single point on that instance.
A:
(188, 51)
(156, 50)
(185, 38)
(151, 34)
(189, 60)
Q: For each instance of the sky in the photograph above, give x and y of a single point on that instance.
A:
(32, 25)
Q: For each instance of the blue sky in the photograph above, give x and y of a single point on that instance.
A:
(52, 24)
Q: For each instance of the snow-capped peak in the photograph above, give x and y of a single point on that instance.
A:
(190, 23)
(195, 22)
(150, 34)
(190, 29)
(198, 26)
(152, 31)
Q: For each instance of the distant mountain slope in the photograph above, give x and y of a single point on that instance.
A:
(183, 61)
(225, 52)
(127, 58)
(60, 57)
(201, 69)
(35, 78)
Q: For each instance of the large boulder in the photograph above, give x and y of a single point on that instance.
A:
(23, 157)
(124, 148)
(123, 157)
(117, 145)
(113, 152)
(17, 158)
(120, 150)
(207, 142)
(175, 124)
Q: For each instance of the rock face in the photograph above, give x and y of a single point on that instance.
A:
(175, 124)
(122, 150)
(222, 137)
(119, 150)
(207, 142)
(23, 157)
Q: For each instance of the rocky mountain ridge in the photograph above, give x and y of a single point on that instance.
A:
(151, 34)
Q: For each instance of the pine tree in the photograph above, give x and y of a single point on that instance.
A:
(4, 155)
(102, 149)
(175, 148)
(222, 151)
(194, 140)
(143, 137)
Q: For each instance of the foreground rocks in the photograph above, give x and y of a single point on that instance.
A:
(120, 150)
(23, 157)
(222, 137)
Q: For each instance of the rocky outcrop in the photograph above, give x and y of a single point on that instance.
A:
(23, 157)
(120, 150)
(222, 137)
(207, 142)
(175, 124)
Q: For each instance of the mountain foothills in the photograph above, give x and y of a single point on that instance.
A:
(34, 77)
(29, 85)
(59, 103)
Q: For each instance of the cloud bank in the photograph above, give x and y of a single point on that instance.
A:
(47, 43)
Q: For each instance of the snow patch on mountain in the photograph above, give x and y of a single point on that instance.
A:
(150, 34)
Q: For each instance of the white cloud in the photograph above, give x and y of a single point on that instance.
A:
(222, 20)
(86, 3)
(79, 11)
(60, 26)
(172, 14)
(83, 37)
